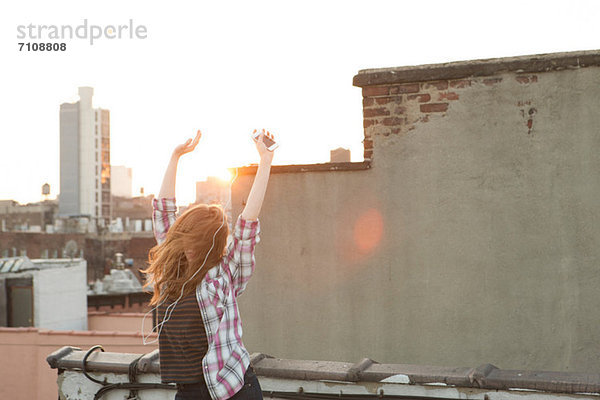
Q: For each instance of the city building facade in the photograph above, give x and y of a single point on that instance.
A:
(32, 217)
(85, 161)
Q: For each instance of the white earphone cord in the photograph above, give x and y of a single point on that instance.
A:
(171, 307)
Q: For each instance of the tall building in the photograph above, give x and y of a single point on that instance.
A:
(84, 160)
(121, 181)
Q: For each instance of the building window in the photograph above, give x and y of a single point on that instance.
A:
(97, 211)
(96, 197)
(5, 253)
(23, 252)
(96, 143)
(55, 254)
(45, 253)
(96, 183)
(96, 156)
(96, 128)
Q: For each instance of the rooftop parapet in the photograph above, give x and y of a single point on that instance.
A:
(477, 68)
(281, 378)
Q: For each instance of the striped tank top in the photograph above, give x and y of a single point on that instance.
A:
(182, 344)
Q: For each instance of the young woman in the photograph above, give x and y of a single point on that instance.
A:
(197, 279)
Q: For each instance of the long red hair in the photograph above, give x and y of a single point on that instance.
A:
(169, 269)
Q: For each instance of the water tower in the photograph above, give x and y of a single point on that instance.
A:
(45, 191)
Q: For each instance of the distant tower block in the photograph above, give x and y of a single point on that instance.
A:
(339, 155)
(84, 159)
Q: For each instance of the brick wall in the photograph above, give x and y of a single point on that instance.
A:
(395, 109)
(396, 100)
(14, 216)
(37, 245)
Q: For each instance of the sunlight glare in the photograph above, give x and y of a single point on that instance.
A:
(223, 174)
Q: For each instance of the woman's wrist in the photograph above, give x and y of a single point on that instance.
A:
(266, 158)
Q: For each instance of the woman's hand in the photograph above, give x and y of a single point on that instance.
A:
(188, 146)
(265, 154)
(167, 188)
(259, 187)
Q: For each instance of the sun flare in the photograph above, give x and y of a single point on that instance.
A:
(222, 174)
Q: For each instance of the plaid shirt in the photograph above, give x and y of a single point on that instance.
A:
(226, 360)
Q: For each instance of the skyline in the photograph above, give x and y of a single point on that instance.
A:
(229, 69)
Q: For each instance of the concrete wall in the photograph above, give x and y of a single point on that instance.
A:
(119, 322)
(60, 297)
(471, 239)
(26, 374)
(299, 379)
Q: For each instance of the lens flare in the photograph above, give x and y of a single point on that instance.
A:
(222, 174)
(368, 231)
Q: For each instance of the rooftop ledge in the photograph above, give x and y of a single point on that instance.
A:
(323, 167)
(473, 68)
(365, 372)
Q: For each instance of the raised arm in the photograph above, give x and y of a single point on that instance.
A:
(259, 187)
(246, 234)
(167, 189)
(164, 209)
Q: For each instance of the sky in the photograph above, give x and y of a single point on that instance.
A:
(232, 66)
